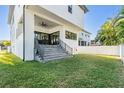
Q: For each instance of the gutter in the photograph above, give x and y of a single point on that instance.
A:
(86, 31)
(24, 33)
(10, 14)
(83, 7)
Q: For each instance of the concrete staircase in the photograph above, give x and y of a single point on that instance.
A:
(53, 52)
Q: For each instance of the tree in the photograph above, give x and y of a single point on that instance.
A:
(119, 16)
(112, 31)
(1, 43)
(107, 34)
(120, 30)
(6, 43)
(119, 25)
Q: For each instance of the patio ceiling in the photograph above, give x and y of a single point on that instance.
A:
(44, 22)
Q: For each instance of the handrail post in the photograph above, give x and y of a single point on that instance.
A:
(39, 48)
(67, 48)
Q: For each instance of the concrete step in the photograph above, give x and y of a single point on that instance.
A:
(53, 50)
(46, 52)
(50, 46)
(59, 55)
(37, 58)
(56, 58)
(55, 53)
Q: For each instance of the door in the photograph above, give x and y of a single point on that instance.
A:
(43, 38)
(54, 38)
(47, 39)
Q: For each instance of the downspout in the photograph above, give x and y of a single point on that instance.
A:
(24, 33)
(10, 41)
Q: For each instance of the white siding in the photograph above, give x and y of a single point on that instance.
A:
(19, 46)
(72, 43)
(18, 12)
(62, 11)
(29, 35)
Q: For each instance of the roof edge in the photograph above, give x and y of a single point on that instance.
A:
(86, 31)
(84, 8)
(11, 10)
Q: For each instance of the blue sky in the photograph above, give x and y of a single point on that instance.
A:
(4, 29)
(96, 16)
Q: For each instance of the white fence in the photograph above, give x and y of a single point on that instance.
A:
(122, 52)
(106, 50)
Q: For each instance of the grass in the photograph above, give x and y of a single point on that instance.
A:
(79, 71)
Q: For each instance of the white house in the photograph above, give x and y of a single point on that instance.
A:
(84, 38)
(46, 31)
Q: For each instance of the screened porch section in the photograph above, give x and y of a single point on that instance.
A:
(45, 31)
(47, 39)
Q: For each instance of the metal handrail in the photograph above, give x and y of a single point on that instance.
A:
(66, 47)
(39, 49)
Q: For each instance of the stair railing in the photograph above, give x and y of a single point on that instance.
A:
(66, 47)
(39, 49)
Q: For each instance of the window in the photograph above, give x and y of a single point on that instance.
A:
(82, 43)
(70, 35)
(42, 37)
(70, 9)
(85, 43)
(88, 43)
(79, 43)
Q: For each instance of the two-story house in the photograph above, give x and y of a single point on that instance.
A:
(84, 38)
(45, 32)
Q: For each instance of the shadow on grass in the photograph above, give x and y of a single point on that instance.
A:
(79, 71)
(7, 58)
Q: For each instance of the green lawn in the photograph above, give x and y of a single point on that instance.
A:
(79, 71)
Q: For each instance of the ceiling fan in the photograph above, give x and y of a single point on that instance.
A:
(43, 24)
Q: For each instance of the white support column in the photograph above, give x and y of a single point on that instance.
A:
(62, 33)
(29, 35)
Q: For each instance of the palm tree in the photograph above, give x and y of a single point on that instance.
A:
(119, 16)
(107, 34)
(118, 23)
(112, 31)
